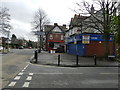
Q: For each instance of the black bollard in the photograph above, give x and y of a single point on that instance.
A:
(59, 60)
(39, 50)
(36, 56)
(77, 60)
(95, 59)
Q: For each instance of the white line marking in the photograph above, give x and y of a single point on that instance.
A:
(17, 78)
(30, 73)
(22, 70)
(109, 73)
(29, 78)
(12, 84)
(20, 74)
(26, 65)
(59, 73)
(26, 84)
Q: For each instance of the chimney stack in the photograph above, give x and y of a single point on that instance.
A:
(64, 26)
(55, 24)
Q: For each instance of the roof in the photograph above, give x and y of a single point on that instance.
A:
(49, 28)
(77, 20)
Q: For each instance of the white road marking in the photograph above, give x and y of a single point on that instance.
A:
(17, 78)
(22, 70)
(26, 84)
(29, 78)
(26, 65)
(59, 73)
(12, 84)
(109, 73)
(30, 73)
(20, 74)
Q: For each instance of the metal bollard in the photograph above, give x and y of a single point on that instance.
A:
(59, 60)
(39, 50)
(77, 60)
(95, 59)
(36, 56)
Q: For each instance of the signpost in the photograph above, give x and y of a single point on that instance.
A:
(39, 34)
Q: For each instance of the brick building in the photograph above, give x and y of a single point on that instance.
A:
(54, 36)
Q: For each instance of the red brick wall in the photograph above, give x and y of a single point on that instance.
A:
(56, 36)
(98, 48)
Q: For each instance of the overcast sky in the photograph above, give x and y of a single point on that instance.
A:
(22, 12)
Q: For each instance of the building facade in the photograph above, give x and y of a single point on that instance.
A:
(89, 44)
(54, 36)
(84, 39)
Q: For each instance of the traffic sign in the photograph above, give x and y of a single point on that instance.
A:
(39, 33)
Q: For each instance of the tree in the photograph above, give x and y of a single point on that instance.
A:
(4, 20)
(5, 23)
(30, 43)
(116, 24)
(101, 20)
(118, 34)
(13, 40)
(40, 19)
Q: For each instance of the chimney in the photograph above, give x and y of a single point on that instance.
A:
(55, 24)
(92, 9)
(64, 26)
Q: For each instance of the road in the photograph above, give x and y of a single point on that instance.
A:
(13, 62)
(45, 76)
(39, 75)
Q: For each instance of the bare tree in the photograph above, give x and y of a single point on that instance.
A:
(5, 26)
(101, 20)
(4, 20)
(40, 19)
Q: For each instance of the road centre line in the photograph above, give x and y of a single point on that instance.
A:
(12, 84)
(26, 84)
(17, 77)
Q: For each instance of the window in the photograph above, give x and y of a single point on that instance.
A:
(51, 36)
(62, 37)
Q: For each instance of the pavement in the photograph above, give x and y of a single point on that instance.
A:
(69, 60)
(47, 74)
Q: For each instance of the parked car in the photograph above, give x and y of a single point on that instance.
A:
(30, 47)
(21, 47)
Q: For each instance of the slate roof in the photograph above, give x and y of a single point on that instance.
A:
(48, 28)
